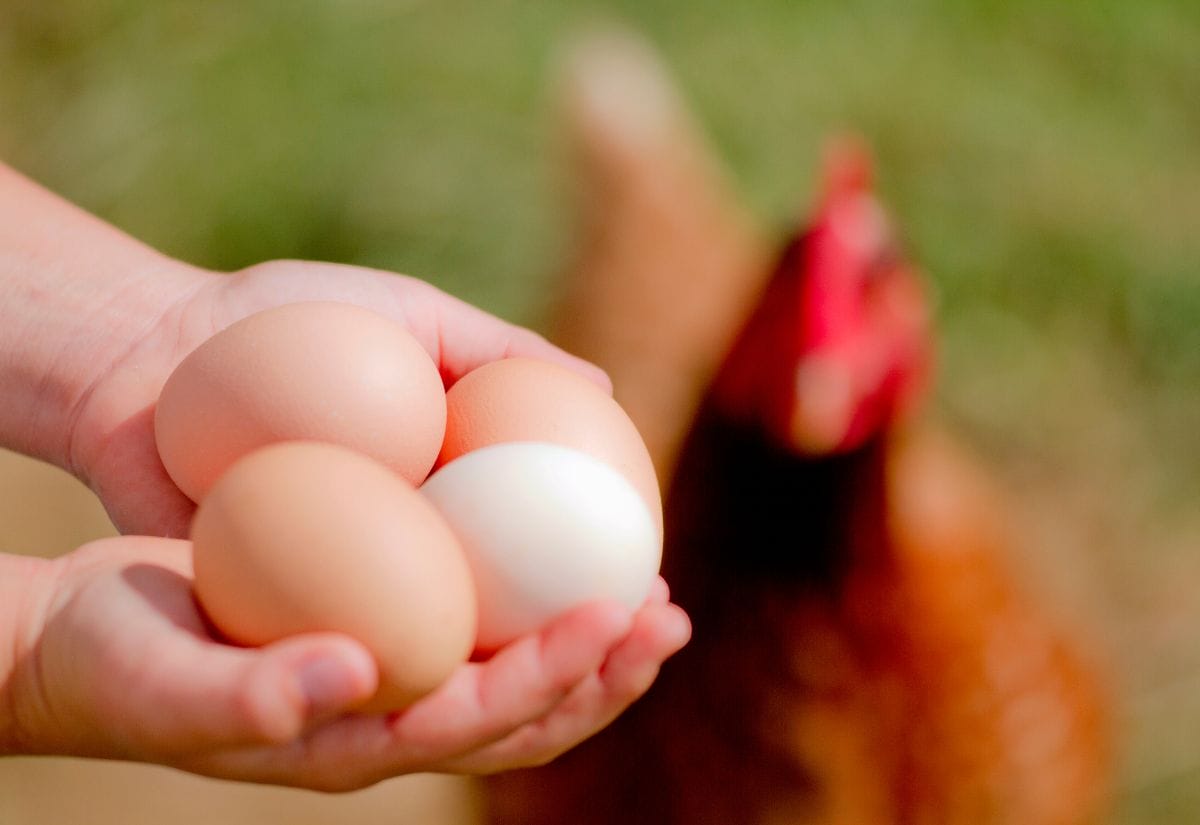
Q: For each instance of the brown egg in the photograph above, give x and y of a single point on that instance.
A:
(308, 371)
(304, 537)
(523, 399)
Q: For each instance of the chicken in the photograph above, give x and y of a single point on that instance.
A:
(861, 652)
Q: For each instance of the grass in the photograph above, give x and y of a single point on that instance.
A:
(1042, 159)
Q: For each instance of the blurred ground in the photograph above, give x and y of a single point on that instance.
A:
(1043, 164)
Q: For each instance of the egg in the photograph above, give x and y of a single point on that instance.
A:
(315, 371)
(544, 529)
(524, 399)
(306, 537)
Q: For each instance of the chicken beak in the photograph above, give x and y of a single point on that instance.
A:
(824, 405)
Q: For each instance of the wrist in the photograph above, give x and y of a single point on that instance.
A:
(26, 592)
(74, 295)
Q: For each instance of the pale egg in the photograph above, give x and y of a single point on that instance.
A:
(315, 371)
(544, 529)
(306, 537)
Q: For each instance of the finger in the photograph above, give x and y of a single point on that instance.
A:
(228, 697)
(480, 704)
(660, 592)
(659, 632)
(523, 342)
(466, 337)
(520, 683)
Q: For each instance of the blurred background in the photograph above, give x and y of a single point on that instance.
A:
(1043, 165)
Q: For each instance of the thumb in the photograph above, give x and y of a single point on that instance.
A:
(220, 696)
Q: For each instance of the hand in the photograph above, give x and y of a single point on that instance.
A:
(118, 663)
(103, 652)
(111, 445)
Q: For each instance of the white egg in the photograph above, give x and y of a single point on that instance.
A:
(545, 528)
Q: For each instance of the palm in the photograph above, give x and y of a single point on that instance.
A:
(113, 444)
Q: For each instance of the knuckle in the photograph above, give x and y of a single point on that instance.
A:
(272, 722)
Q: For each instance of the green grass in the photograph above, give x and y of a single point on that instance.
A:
(1043, 161)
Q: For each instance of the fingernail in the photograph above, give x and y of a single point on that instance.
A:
(328, 684)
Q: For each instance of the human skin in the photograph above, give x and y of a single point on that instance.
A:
(103, 652)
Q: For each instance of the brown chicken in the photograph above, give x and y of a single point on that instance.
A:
(861, 653)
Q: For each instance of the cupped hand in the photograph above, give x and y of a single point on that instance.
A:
(119, 663)
(111, 445)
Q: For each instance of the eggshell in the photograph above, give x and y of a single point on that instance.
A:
(523, 399)
(545, 528)
(304, 537)
(307, 371)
